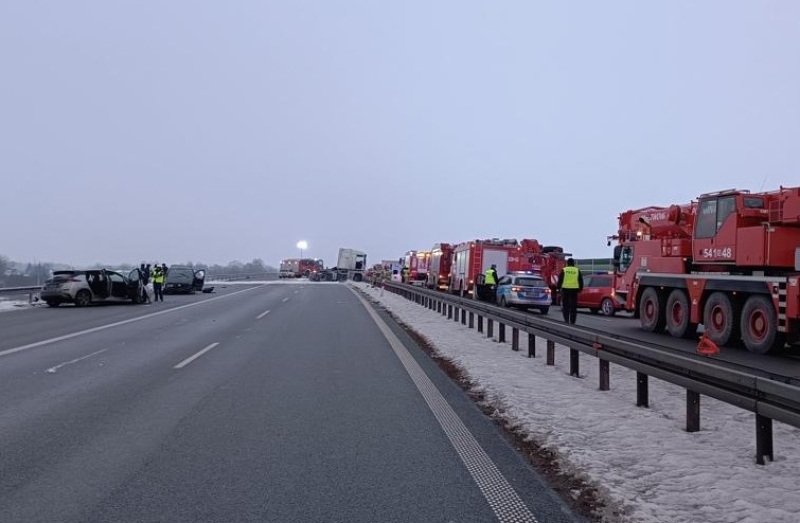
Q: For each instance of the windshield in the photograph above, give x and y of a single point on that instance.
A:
(180, 275)
(625, 258)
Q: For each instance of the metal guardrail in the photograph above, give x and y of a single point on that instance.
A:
(30, 292)
(767, 398)
(19, 290)
(238, 277)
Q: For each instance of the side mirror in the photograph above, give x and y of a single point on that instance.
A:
(615, 264)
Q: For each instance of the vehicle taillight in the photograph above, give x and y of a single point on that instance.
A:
(548, 291)
(516, 289)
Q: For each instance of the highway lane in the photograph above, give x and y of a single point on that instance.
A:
(28, 325)
(280, 403)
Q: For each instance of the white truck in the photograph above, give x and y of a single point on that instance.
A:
(351, 265)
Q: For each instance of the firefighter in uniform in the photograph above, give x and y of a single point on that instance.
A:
(570, 283)
(404, 274)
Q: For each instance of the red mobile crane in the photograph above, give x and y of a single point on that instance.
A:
(730, 261)
(472, 258)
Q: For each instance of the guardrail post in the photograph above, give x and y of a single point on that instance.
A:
(574, 363)
(692, 411)
(605, 375)
(471, 320)
(531, 345)
(489, 327)
(463, 317)
(763, 439)
(501, 335)
(642, 391)
(457, 314)
(439, 307)
(551, 352)
(449, 312)
(480, 323)
(515, 339)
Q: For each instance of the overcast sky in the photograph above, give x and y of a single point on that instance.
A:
(211, 131)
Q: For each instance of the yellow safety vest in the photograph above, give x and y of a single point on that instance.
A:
(488, 277)
(570, 278)
(158, 277)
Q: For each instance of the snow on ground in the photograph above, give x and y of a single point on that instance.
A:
(7, 304)
(641, 460)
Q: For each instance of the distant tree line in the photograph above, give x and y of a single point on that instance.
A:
(28, 274)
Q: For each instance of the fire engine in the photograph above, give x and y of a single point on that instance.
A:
(472, 258)
(417, 263)
(728, 261)
(439, 266)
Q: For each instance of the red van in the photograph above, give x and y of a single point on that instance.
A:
(598, 294)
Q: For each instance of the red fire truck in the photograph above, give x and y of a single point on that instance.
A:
(307, 266)
(472, 258)
(439, 267)
(417, 263)
(730, 261)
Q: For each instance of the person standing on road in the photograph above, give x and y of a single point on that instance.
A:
(570, 283)
(490, 276)
(158, 283)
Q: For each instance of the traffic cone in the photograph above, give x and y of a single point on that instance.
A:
(706, 347)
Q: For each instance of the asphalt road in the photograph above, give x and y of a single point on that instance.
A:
(283, 402)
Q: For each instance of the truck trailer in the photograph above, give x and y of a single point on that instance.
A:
(729, 261)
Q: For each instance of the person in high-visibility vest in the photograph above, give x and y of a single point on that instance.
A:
(490, 276)
(570, 283)
(158, 282)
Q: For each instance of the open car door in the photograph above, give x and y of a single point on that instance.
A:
(199, 280)
(102, 286)
(136, 286)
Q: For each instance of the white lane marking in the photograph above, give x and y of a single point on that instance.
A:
(262, 315)
(285, 300)
(115, 324)
(53, 370)
(498, 492)
(192, 358)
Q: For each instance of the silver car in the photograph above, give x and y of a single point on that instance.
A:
(524, 290)
(92, 286)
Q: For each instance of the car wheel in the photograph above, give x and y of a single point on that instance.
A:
(607, 306)
(53, 303)
(503, 301)
(544, 310)
(83, 298)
